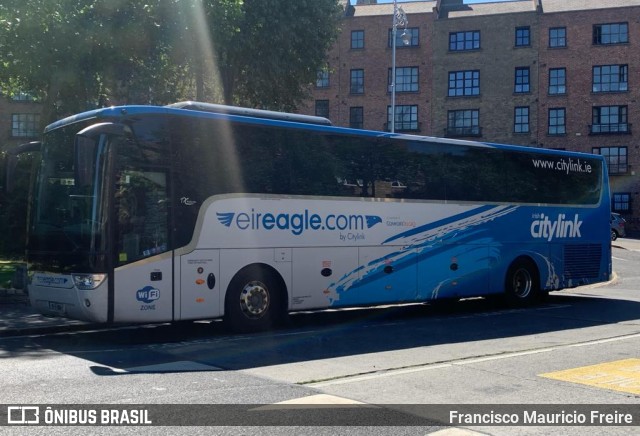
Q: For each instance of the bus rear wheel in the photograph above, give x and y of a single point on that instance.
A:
(522, 285)
(254, 300)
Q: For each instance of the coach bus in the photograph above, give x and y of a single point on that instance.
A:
(198, 211)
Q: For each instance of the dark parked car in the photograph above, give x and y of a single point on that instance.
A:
(617, 226)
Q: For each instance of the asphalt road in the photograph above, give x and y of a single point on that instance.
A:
(578, 349)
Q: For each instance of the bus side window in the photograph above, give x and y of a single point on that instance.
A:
(193, 171)
(141, 204)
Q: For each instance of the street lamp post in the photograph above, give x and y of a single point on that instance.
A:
(399, 19)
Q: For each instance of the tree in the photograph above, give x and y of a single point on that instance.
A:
(76, 55)
(281, 46)
(257, 53)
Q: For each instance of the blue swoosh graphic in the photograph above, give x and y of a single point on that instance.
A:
(426, 242)
(372, 220)
(225, 218)
(440, 223)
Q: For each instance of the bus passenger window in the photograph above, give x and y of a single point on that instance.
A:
(142, 215)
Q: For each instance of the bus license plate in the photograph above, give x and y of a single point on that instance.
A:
(56, 307)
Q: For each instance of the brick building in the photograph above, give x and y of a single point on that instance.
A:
(542, 73)
(19, 120)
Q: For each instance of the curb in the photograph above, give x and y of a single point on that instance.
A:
(17, 301)
(45, 330)
(13, 296)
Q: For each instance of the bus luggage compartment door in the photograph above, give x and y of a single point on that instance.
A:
(388, 274)
(199, 285)
(452, 270)
(322, 277)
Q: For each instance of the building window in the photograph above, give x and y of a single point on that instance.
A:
(406, 79)
(406, 118)
(557, 121)
(464, 83)
(521, 120)
(411, 37)
(22, 96)
(463, 123)
(357, 39)
(25, 125)
(322, 78)
(557, 37)
(322, 108)
(522, 80)
(463, 41)
(614, 33)
(621, 202)
(609, 119)
(523, 36)
(356, 117)
(610, 78)
(357, 82)
(557, 81)
(616, 158)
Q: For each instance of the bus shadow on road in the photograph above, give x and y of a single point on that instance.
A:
(331, 334)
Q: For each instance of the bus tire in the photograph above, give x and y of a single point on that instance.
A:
(254, 300)
(522, 283)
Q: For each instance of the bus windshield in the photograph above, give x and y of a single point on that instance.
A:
(67, 218)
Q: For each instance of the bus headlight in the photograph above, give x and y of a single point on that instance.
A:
(86, 282)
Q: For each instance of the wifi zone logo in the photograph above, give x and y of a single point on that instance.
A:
(296, 223)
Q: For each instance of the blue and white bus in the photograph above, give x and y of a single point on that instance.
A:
(198, 211)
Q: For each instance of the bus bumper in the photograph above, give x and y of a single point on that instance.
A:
(56, 294)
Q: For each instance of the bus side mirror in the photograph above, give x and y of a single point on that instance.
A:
(11, 162)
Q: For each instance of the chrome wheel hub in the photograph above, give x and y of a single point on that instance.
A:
(254, 299)
(522, 283)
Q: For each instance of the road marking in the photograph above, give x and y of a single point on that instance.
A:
(455, 432)
(376, 375)
(326, 400)
(459, 362)
(620, 375)
(321, 399)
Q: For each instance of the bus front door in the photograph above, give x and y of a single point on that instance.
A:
(143, 273)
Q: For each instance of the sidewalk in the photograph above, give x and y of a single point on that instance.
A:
(18, 318)
(627, 244)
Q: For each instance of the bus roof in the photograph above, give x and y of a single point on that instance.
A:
(255, 113)
(119, 111)
(273, 118)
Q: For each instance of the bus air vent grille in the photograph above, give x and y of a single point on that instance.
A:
(582, 261)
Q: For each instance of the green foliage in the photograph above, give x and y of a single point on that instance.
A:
(281, 44)
(76, 55)
(7, 271)
(13, 210)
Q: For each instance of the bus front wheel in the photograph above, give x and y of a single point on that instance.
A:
(522, 285)
(254, 300)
